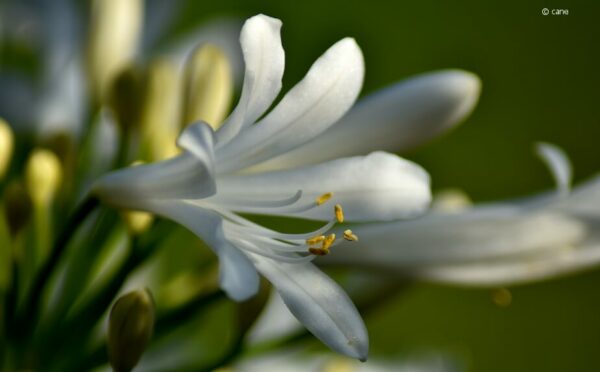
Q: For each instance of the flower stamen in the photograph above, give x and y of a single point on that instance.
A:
(339, 213)
(323, 198)
(328, 241)
(318, 251)
(315, 240)
(350, 236)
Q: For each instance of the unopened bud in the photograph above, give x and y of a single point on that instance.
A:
(130, 327)
(115, 29)
(209, 86)
(160, 114)
(451, 201)
(6, 147)
(125, 97)
(137, 222)
(43, 175)
(18, 206)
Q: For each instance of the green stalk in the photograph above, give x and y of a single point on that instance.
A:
(27, 321)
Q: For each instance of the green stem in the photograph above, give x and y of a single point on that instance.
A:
(27, 321)
(76, 328)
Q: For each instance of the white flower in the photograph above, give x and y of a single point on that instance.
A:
(212, 179)
(491, 244)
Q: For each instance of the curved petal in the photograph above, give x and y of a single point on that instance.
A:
(325, 94)
(318, 303)
(560, 260)
(559, 165)
(583, 200)
(186, 176)
(478, 234)
(379, 186)
(394, 119)
(265, 60)
(237, 275)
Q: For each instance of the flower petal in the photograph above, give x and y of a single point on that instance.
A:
(559, 165)
(186, 176)
(379, 186)
(265, 60)
(394, 119)
(481, 233)
(237, 276)
(325, 94)
(319, 303)
(559, 260)
(582, 201)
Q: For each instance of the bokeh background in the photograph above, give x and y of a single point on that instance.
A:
(540, 82)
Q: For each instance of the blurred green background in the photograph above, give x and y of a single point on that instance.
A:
(540, 82)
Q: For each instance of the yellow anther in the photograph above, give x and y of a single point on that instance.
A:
(339, 213)
(350, 236)
(323, 198)
(315, 240)
(328, 241)
(318, 251)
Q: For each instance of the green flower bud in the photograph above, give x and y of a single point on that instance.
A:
(43, 176)
(6, 147)
(125, 98)
(115, 29)
(160, 113)
(209, 86)
(18, 207)
(130, 327)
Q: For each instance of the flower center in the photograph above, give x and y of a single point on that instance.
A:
(293, 248)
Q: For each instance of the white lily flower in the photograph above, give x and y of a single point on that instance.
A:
(492, 244)
(204, 187)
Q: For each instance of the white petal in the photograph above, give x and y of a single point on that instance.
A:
(559, 165)
(478, 234)
(237, 276)
(379, 186)
(394, 119)
(553, 262)
(319, 303)
(325, 94)
(265, 60)
(583, 200)
(274, 322)
(186, 176)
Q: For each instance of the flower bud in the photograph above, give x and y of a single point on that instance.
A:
(125, 98)
(18, 207)
(137, 222)
(209, 86)
(6, 147)
(43, 176)
(115, 29)
(159, 117)
(130, 327)
(451, 201)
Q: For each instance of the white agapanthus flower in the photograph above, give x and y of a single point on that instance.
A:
(492, 244)
(221, 173)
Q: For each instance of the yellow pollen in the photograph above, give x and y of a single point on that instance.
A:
(339, 213)
(350, 236)
(323, 198)
(328, 241)
(315, 240)
(318, 251)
